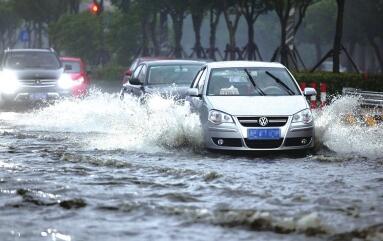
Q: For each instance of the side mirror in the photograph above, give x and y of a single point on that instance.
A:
(193, 92)
(135, 81)
(309, 92)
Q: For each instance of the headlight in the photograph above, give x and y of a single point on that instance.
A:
(9, 82)
(218, 117)
(79, 81)
(65, 81)
(305, 116)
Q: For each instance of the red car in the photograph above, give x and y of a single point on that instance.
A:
(77, 70)
(137, 62)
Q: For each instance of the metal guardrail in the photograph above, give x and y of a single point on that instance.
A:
(367, 99)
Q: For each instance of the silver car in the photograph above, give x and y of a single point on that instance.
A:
(252, 106)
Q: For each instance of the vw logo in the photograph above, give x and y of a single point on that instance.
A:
(38, 82)
(263, 121)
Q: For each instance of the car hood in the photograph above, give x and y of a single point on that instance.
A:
(178, 92)
(37, 73)
(258, 105)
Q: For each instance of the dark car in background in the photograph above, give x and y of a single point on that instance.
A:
(30, 75)
(128, 73)
(164, 77)
(77, 70)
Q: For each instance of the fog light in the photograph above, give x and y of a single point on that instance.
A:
(220, 142)
(304, 141)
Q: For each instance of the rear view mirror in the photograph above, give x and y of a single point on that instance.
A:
(309, 92)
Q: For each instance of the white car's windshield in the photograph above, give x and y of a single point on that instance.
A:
(172, 74)
(251, 82)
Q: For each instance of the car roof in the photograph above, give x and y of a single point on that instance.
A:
(30, 50)
(249, 64)
(172, 62)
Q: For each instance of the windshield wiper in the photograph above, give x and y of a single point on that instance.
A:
(280, 82)
(253, 83)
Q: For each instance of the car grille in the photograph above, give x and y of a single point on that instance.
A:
(253, 121)
(38, 82)
(263, 144)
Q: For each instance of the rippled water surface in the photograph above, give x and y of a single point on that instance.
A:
(101, 169)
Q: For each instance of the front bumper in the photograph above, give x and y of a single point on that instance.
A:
(233, 136)
(33, 94)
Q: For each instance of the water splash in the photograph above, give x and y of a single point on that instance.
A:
(108, 123)
(342, 138)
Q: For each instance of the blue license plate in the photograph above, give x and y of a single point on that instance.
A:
(263, 134)
(38, 96)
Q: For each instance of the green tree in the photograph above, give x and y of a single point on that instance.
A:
(78, 35)
(283, 9)
(9, 23)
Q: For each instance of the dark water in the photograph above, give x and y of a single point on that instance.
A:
(99, 169)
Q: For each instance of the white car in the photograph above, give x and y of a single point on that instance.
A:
(252, 106)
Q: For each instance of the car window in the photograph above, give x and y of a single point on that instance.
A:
(71, 66)
(172, 74)
(251, 82)
(35, 60)
(136, 72)
(142, 74)
(201, 81)
(196, 79)
(134, 65)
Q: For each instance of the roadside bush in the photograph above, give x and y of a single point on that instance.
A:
(335, 82)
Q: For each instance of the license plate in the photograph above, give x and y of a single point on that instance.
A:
(38, 96)
(263, 134)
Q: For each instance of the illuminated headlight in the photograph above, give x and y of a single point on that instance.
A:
(305, 116)
(9, 82)
(65, 82)
(218, 117)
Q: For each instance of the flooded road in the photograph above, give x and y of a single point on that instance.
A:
(101, 169)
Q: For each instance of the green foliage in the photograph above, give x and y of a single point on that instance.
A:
(41, 11)
(318, 15)
(9, 22)
(77, 35)
(336, 82)
(122, 37)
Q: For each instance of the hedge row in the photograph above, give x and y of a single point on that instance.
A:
(335, 82)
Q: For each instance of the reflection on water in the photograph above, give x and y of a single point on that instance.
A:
(102, 169)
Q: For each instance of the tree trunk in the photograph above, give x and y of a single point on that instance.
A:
(145, 41)
(338, 36)
(318, 51)
(153, 34)
(284, 48)
(177, 27)
(251, 42)
(197, 24)
(214, 20)
(164, 41)
(377, 52)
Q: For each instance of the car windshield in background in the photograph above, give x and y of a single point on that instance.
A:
(71, 66)
(172, 74)
(251, 82)
(32, 60)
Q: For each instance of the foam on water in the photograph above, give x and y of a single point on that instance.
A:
(104, 122)
(108, 123)
(344, 138)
